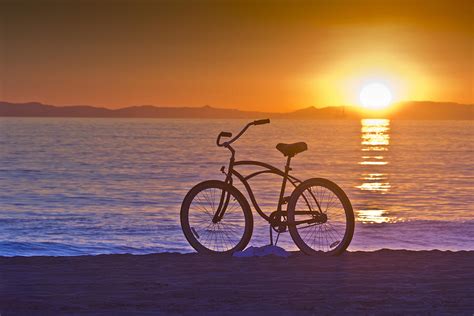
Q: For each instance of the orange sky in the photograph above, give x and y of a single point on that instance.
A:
(270, 56)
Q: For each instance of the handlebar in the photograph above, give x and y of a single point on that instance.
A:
(261, 122)
(225, 134)
(228, 134)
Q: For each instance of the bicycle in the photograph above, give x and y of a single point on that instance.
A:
(217, 218)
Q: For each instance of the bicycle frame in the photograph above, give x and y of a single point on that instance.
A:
(266, 168)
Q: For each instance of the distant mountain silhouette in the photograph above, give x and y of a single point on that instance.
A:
(420, 110)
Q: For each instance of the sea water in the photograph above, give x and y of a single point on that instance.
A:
(75, 186)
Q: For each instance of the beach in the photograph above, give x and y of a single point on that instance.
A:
(384, 281)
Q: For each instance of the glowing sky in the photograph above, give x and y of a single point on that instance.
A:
(272, 56)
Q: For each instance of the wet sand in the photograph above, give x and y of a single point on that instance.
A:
(385, 281)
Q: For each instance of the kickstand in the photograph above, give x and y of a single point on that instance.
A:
(271, 237)
(276, 241)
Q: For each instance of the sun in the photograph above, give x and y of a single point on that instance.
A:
(375, 96)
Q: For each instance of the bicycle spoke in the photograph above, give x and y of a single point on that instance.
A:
(323, 235)
(226, 233)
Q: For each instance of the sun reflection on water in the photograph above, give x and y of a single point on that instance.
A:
(373, 162)
(375, 138)
(375, 141)
(375, 186)
(375, 133)
(373, 216)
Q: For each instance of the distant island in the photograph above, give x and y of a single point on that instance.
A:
(414, 110)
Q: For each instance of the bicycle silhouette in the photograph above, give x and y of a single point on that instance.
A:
(217, 218)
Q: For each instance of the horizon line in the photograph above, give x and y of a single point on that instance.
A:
(223, 108)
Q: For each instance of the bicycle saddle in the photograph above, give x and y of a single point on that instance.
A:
(292, 149)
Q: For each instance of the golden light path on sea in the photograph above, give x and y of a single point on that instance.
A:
(375, 141)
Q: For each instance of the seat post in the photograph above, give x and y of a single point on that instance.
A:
(283, 185)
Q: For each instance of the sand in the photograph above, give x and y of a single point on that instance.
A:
(385, 281)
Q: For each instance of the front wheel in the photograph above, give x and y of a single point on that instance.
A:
(320, 217)
(225, 233)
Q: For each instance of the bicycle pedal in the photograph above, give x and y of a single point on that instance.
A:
(223, 170)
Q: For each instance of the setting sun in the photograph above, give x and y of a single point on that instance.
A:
(375, 96)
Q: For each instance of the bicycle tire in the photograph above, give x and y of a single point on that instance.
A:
(326, 232)
(195, 238)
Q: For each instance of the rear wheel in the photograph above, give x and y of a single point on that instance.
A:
(320, 217)
(232, 232)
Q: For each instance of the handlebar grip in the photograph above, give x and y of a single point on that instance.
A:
(261, 122)
(225, 134)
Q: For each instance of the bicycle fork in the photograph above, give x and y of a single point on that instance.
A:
(223, 203)
(225, 196)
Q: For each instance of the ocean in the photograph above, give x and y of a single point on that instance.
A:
(77, 186)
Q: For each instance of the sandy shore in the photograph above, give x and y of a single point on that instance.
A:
(427, 282)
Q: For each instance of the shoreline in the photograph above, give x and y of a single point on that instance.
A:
(390, 281)
(293, 253)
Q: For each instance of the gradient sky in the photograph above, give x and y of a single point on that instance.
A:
(272, 56)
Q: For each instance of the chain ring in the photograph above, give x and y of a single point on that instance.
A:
(277, 226)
